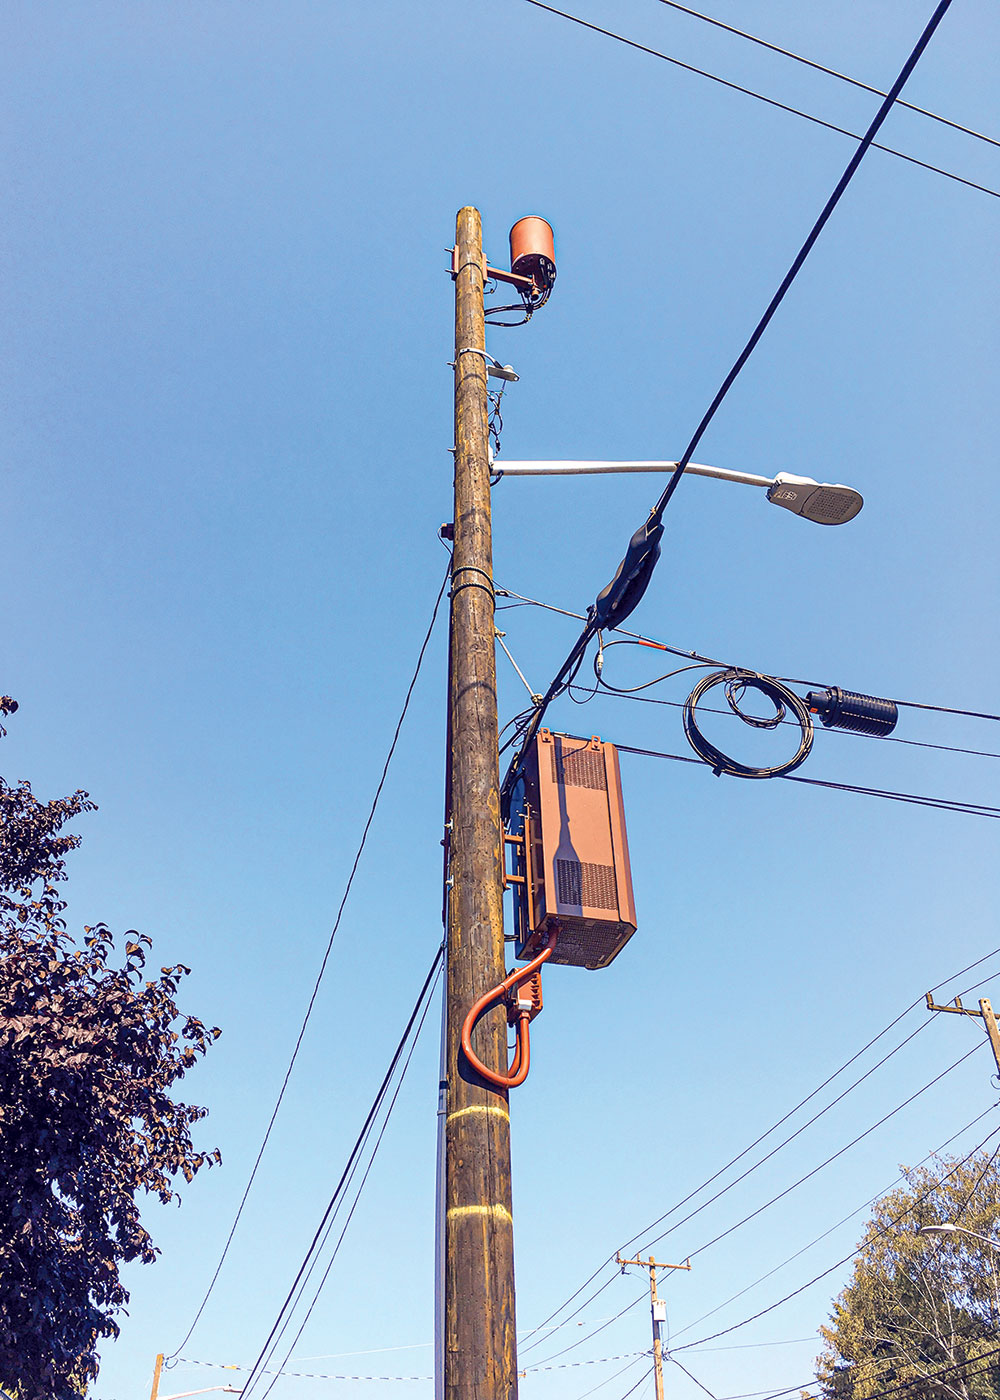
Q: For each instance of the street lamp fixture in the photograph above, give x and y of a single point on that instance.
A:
(822, 502)
(947, 1229)
(225, 1389)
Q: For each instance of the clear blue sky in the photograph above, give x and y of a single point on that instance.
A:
(227, 413)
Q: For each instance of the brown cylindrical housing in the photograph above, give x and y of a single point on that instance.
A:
(533, 252)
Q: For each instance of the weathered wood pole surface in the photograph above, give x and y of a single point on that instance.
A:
(157, 1369)
(480, 1361)
(654, 1298)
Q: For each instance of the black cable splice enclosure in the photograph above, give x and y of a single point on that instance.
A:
(846, 709)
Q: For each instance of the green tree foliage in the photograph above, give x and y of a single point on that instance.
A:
(89, 1049)
(922, 1311)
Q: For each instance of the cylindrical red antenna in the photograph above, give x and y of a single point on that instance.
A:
(533, 253)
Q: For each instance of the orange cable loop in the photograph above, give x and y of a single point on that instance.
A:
(517, 1070)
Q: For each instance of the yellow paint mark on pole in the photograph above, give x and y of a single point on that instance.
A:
(496, 1108)
(497, 1212)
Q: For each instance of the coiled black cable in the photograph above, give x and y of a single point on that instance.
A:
(736, 682)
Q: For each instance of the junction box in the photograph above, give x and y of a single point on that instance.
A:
(571, 866)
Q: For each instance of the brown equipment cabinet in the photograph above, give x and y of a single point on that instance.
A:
(571, 867)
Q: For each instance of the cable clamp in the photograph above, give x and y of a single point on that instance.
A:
(493, 366)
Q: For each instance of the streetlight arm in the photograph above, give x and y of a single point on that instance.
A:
(596, 468)
(226, 1389)
(822, 502)
(948, 1229)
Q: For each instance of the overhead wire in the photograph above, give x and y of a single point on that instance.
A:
(608, 1379)
(771, 1394)
(590, 1361)
(604, 1325)
(850, 1215)
(942, 804)
(322, 967)
(761, 97)
(830, 72)
(755, 1346)
(884, 1230)
(638, 1383)
(632, 1358)
(975, 1186)
(267, 1368)
(618, 599)
(521, 600)
(698, 1383)
(959, 1367)
(691, 1254)
(642, 1234)
(361, 1186)
(780, 1146)
(795, 1293)
(834, 1156)
(865, 1205)
(625, 694)
(257, 1369)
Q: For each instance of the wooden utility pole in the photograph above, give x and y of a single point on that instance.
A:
(158, 1367)
(657, 1310)
(985, 1013)
(479, 1356)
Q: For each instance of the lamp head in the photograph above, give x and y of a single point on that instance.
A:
(818, 501)
(938, 1230)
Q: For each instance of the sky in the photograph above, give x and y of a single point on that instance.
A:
(226, 326)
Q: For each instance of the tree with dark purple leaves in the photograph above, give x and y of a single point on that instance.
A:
(90, 1046)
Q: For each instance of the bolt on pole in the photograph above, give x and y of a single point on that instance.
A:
(479, 1355)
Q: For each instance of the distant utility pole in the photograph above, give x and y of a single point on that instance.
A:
(205, 1390)
(985, 1012)
(479, 1359)
(658, 1310)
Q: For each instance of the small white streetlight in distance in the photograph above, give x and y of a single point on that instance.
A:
(946, 1229)
(226, 1390)
(822, 502)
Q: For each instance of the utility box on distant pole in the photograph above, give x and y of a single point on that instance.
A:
(572, 865)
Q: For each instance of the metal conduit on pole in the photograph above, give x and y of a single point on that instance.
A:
(478, 1356)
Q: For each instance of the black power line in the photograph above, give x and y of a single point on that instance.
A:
(642, 1296)
(773, 102)
(643, 640)
(615, 602)
(826, 1162)
(843, 1221)
(942, 804)
(830, 72)
(697, 1382)
(851, 169)
(847, 1257)
(256, 1370)
(350, 1214)
(784, 1143)
(919, 1001)
(609, 1379)
(625, 694)
(767, 1204)
(959, 1369)
(322, 967)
